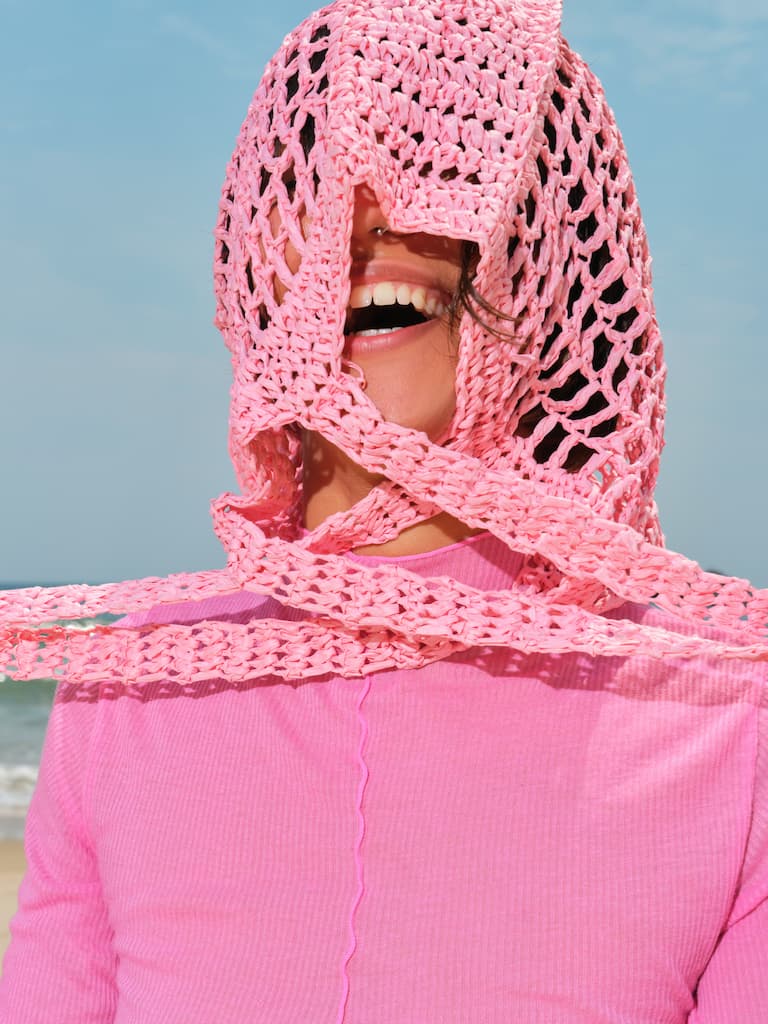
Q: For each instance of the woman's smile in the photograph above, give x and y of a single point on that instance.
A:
(390, 306)
(396, 330)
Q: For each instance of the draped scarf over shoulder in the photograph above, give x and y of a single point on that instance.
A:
(474, 121)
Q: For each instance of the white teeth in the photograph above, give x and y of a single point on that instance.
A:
(384, 294)
(418, 298)
(387, 293)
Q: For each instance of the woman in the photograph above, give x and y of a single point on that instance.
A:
(470, 744)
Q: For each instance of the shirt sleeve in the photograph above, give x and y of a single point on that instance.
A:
(734, 986)
(60, 965)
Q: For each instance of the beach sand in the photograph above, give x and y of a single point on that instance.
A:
(12, 866)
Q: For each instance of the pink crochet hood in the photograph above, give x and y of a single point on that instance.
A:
(472, 121)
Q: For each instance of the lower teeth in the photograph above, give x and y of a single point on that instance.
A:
(378, 330)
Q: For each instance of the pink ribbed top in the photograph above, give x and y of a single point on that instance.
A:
(495, 837)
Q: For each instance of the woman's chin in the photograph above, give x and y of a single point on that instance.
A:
(412, 383)
(416, 413)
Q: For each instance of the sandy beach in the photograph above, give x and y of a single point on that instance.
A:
(11, 871)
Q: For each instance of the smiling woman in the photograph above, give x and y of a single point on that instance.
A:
(407, 281)
(400, 344)
(454, 737)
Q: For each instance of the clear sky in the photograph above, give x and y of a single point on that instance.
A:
(118, 121)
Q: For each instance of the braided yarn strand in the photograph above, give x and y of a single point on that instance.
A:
(472, 121)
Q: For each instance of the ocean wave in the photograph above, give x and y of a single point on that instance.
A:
(17, 784)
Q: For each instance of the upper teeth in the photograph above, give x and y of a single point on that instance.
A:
(387, 293)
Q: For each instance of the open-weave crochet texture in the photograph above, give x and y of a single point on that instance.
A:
(475, 121)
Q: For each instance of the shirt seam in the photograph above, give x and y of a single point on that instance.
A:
(362, 785)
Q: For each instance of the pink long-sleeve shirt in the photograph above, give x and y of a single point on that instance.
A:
(494, 838)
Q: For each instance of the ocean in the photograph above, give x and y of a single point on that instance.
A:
(24, 710)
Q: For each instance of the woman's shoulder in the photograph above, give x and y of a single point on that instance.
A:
(705, 678)
(652, 616)
(104, 690)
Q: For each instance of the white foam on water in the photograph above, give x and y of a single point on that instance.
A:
(17, 783)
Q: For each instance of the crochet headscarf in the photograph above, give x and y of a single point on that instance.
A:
(473, 121)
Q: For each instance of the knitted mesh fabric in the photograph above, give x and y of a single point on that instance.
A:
(472, 121)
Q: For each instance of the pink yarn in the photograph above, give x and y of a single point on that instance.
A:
(473, 121)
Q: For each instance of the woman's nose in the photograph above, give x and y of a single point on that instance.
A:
(368, 222)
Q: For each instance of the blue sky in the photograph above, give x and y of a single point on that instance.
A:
(118, 122)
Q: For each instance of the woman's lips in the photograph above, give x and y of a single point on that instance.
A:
(362, 344)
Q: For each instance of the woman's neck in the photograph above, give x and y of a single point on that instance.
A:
(334, 483)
